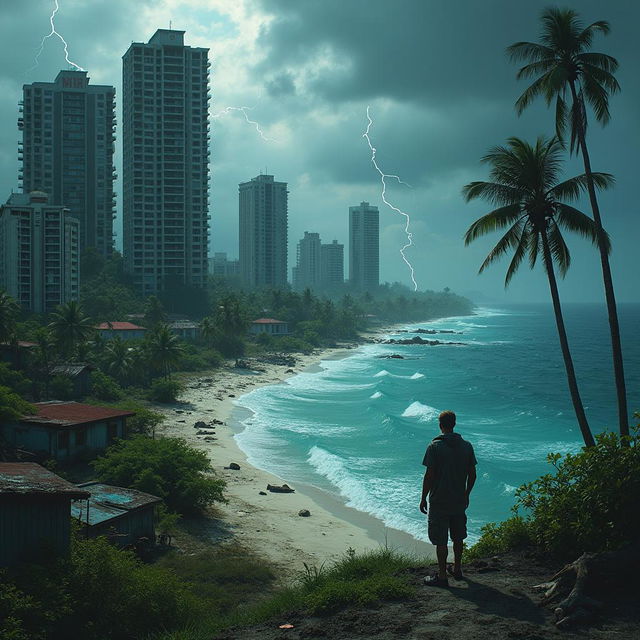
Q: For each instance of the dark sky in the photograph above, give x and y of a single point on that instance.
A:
(440, 91)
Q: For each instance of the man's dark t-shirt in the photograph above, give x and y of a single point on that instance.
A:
(450, 457)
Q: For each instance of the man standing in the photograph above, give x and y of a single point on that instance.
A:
(448, 481)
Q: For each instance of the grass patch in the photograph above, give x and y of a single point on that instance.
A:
(355, 579)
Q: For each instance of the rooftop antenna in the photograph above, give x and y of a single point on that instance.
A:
(170, 23)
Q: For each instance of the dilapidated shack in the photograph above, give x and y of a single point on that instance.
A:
(35, 512)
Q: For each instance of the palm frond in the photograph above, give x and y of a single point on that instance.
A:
(578, 122)
(493, 192)
(535, 89)
(600, 60)
(509, 240)
(585, 38)
(561, 117)
(534, 68)
(574, 220)
(496, 219)
(518, 256)
(558, 247)
(605, 79)
(597, 97)
(572, 188)
(531, 51)
(534, 249)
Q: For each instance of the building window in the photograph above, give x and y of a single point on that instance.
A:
(63, 440)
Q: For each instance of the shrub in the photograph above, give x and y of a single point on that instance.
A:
(589, 503)
(104, 387)
(165, 390)
(145, 421)
(289, 344)
(168, 468)
(15, 380)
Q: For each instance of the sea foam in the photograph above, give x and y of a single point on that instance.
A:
(423, 412)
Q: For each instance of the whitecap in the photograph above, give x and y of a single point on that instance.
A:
(376, 395)
(423, 412)
(416, 376)
(381, 374)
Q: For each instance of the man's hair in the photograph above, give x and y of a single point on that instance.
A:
(447, 420)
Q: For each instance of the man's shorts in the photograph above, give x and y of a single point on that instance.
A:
(442, 524)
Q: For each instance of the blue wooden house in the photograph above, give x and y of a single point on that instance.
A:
(64, 431)
(35, 512)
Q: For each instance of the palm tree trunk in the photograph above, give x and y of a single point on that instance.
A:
(587, 436)
(612, 310)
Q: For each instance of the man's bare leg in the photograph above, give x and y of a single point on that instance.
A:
(442, 552)
(457, 557)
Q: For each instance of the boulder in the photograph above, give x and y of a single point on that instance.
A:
(262, 493)
(275, 488)
(234, 465)
(200, 425)
(304, 513)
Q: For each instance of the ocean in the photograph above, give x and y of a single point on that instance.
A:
(358, 426)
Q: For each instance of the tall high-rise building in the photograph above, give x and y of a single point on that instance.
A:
(364, 249)
(39, 252)
(263, 232)
(165, 162)
(307, 271)
(67, 151)
(221, 267)
(331, 264)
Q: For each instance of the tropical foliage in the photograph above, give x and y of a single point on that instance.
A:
(532, 207)
(565, 69)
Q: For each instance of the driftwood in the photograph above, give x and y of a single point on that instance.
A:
(573, 588)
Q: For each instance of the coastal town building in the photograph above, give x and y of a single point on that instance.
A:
(166, 162)
(65, 430)
(123, 330)
(124, 516)
(307, 272)
(221, 267)
(39, 252)
(79, 374)
(35, 513)
(364, 247)
(269, 325)
(68, 134)
(263, 212)
(331, 265)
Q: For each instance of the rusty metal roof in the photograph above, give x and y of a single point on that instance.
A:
(108, 502)
(29, 478)
(69, 414)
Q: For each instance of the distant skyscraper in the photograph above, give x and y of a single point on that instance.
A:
(221, 267)
(263, 232)
(67, 151)
(165, 162)
(364, 249)
(39, 252)
(307, 271)
(331, 264)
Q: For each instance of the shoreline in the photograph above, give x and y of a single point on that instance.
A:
(269, 525)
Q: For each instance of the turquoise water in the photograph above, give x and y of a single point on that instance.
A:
(359, 427)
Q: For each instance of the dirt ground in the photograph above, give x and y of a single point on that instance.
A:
(496, 604)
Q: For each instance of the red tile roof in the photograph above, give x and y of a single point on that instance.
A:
(68, 414)
(30, 478)
(268, 321)
(120, 326)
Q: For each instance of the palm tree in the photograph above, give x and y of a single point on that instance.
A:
(118, 359)
(9, 310)
(563, 63)
(530, 205)
(70, 327)
(164, 349)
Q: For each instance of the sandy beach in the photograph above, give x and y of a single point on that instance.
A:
(269, 523)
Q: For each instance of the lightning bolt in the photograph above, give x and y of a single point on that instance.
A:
(383, 179)
(50, 35)
(244, 110)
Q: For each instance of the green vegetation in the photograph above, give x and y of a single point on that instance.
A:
(99, 593)
(589, 503)
(164, 391)
(563, 62)
(168, 468)
(524, 184)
